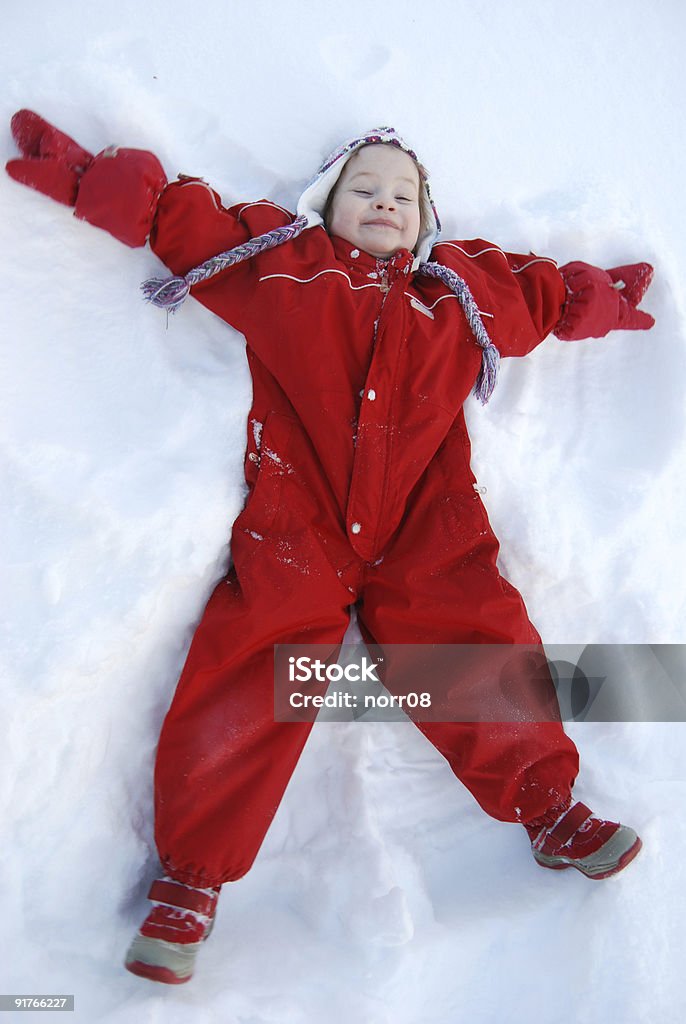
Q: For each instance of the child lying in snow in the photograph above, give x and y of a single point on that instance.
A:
(365, 335)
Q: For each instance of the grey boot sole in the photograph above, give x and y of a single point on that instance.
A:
(171, 963)
(613, 856)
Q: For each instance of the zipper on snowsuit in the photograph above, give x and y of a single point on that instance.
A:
(391, 287)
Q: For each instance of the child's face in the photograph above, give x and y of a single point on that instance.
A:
(375, 205)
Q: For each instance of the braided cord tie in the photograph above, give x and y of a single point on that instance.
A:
(490, 357)
(169, 292)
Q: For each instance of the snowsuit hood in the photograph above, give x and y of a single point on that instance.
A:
(312, 202)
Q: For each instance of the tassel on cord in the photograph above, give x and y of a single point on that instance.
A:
(169, 293)
(488, 374)
(166, 292)
(490, 356)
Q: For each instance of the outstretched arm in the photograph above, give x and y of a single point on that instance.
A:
(527, 297)
(125, 192)
(117, 190)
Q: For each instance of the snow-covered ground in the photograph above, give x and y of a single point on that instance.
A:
(383, 894)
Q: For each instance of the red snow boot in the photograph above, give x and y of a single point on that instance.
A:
(167, 943)
(577, 839)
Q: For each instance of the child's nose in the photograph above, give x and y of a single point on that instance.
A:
(385, 204)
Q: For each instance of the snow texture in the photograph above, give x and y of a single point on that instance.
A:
(383, 893)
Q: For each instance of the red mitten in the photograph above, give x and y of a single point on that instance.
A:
(600, 301)
(117, 190)
(52, 162)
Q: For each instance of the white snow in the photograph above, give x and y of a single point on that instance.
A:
(382, 894)
(257, 428)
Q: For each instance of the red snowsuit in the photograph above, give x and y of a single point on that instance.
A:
(360, 492)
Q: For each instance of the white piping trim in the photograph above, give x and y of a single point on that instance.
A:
(184, 184)
(264, 202)
(539, 259)
(488, 249)
(472, 255)
(258, 202)
(440, 299)
(495, 248)
(306, 280)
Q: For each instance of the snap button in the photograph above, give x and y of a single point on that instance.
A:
(478, 489)
(371, 394)
(254, 457)
(354, 253)
(356, 527)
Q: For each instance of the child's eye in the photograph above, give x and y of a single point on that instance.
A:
(361, 192)
(404, 199)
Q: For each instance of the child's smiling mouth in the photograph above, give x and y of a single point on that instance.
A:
(380, 222)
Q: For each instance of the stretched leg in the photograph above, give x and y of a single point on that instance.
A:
(438, 584)
(223, 763)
